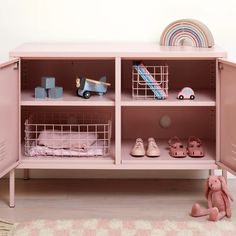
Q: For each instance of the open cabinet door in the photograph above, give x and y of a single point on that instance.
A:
(9, 116)
(227, 115)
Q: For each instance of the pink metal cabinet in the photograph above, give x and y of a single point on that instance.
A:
(227, 116)
(216, 95)
(9, 121)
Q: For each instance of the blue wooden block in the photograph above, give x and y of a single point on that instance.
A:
(40, 93)
(48, 82)
(56, 92)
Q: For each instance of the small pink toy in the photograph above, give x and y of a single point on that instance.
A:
(186, 93)
(218, 198)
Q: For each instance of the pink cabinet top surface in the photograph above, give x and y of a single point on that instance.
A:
(125, 50)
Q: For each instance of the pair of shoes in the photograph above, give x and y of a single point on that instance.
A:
(194, 147)
(138, 149)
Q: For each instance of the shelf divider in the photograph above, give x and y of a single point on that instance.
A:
(118, 111)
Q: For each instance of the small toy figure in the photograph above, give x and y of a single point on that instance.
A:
(85, 86)
(186, 93)
(218, 198)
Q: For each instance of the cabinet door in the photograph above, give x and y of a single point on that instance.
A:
(9, 116)
(227, 115)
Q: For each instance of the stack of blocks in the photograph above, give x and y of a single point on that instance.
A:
(48, 89)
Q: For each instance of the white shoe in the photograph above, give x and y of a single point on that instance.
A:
(138, 148)
(152, 149)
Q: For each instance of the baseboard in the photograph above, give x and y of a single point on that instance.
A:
(117, 174)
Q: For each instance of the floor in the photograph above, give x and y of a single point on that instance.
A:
(126, 199)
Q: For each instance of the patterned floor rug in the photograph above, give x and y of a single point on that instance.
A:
(116, 227)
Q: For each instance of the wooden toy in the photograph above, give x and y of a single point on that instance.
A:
(187, 29)
(48, 89)
(85, 86)
(48, 82)
(55, 93)
(40, 93)
(186, 93)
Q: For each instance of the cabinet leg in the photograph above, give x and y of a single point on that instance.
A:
(12, 189)
(224, 173)
(211, 172)
(26, 174)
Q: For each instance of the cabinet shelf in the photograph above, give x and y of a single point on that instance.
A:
(203, 98)
(165, 161)
(65, 162)
(47, 162)
(69, 99)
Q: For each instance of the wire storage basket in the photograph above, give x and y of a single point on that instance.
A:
(149, 82)
(68, 134)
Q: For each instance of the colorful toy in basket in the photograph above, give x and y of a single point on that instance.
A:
(48, 89)
(85, 86)
(218, 197)
(154, 79)
(186, 93)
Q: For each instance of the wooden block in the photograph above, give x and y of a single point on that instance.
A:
(40, 93)
(56, 92)
(48, 82)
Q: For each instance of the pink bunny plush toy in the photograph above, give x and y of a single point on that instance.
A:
(218, 198)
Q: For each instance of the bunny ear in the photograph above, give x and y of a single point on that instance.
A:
(224, 187)
(207, 188)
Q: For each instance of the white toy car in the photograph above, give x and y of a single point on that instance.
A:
(186, 93)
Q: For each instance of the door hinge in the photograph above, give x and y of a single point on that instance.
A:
(220, 66)
(16, 66)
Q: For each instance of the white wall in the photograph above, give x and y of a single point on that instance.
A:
(109, 20)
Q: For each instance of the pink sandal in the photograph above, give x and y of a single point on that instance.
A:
(177, 149)
(195, 148)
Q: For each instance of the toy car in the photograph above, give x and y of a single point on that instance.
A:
(186, 93)
(85, 86)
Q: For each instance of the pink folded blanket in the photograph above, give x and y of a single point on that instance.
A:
(67, 140)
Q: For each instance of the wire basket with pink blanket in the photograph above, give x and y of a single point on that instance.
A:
(68, 134)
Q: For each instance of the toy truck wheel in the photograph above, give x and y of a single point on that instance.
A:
(192, 97)
(86, 94)
(181, 97)
(100, 94)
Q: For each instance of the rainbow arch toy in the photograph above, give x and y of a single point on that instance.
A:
(187, 29)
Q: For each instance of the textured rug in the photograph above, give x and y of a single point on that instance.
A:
(116, 227)
(5, 227)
